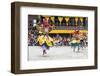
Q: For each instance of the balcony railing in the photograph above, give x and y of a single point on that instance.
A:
(70, 28)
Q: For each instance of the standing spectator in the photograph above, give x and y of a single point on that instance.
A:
(65, 41)
(68, 41)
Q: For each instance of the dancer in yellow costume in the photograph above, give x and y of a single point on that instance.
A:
(45, 42)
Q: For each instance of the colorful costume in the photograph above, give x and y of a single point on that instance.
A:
(75, 44)
(45, 42)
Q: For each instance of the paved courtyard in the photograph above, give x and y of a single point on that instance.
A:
(56, 52)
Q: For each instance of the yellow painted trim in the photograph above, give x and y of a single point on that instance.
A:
(67, 31)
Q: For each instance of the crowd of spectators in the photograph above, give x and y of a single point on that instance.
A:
(58, 40)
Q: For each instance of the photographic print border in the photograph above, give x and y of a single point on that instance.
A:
(15, 37)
